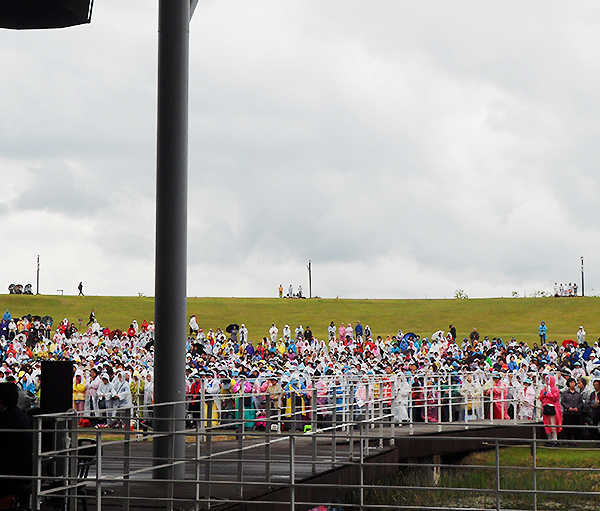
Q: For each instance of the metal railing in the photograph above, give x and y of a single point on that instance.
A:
(300, 450)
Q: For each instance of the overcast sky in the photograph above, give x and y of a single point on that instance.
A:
(408, 149)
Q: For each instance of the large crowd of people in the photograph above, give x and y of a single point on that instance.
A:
(408, 378)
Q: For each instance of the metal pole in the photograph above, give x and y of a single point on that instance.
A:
(361, 466)
(208, 464)
(309, 279)
(240, 442)
(313, 424)
(582, 288)
(534, 455)
(292, 471)
(38, 276)
(497, 476)
(37, 464)
(170, 307)
(98, 471)
(268, 438)
(198, 440)
(127, 462)
(334, 429)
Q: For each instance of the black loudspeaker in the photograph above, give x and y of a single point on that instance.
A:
(35, 14)
(56, 387)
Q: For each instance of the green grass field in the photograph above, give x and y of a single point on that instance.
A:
(503, 317)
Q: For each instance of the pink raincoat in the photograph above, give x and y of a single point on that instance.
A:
(551, 395)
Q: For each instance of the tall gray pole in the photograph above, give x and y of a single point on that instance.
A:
(582, 286)
(170, 309)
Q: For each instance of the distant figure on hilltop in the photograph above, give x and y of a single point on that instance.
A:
(80, 287)
(280, 290)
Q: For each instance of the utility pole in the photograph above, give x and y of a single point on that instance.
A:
(309, 280)
(582, 288)
(38, 275)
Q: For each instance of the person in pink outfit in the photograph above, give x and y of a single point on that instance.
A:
(551, 409)
(499, 398)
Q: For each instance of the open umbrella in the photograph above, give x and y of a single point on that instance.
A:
(47, 320)
(233, 326)
(116, 332)
(475, 356)
(436, 336)
(571, 342)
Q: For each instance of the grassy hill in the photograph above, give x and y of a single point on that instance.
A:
(503, 317)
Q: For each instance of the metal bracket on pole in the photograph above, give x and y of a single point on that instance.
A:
(193, 4)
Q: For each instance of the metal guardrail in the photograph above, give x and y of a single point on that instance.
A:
(230, 462)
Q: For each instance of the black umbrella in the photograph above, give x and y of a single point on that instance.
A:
(233, 326)
(47, 320)
(476, 356)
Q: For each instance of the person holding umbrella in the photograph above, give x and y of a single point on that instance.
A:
(233, 329)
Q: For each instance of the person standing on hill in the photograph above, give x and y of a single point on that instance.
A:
(80, 287)
(358, 329)
(474, 335)
(280, 290)
(194, 328)
(331, 331)
(580, 335)
(308, 335)
(542, 331)
(452, 331)
(92, 318)
(273, 331)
